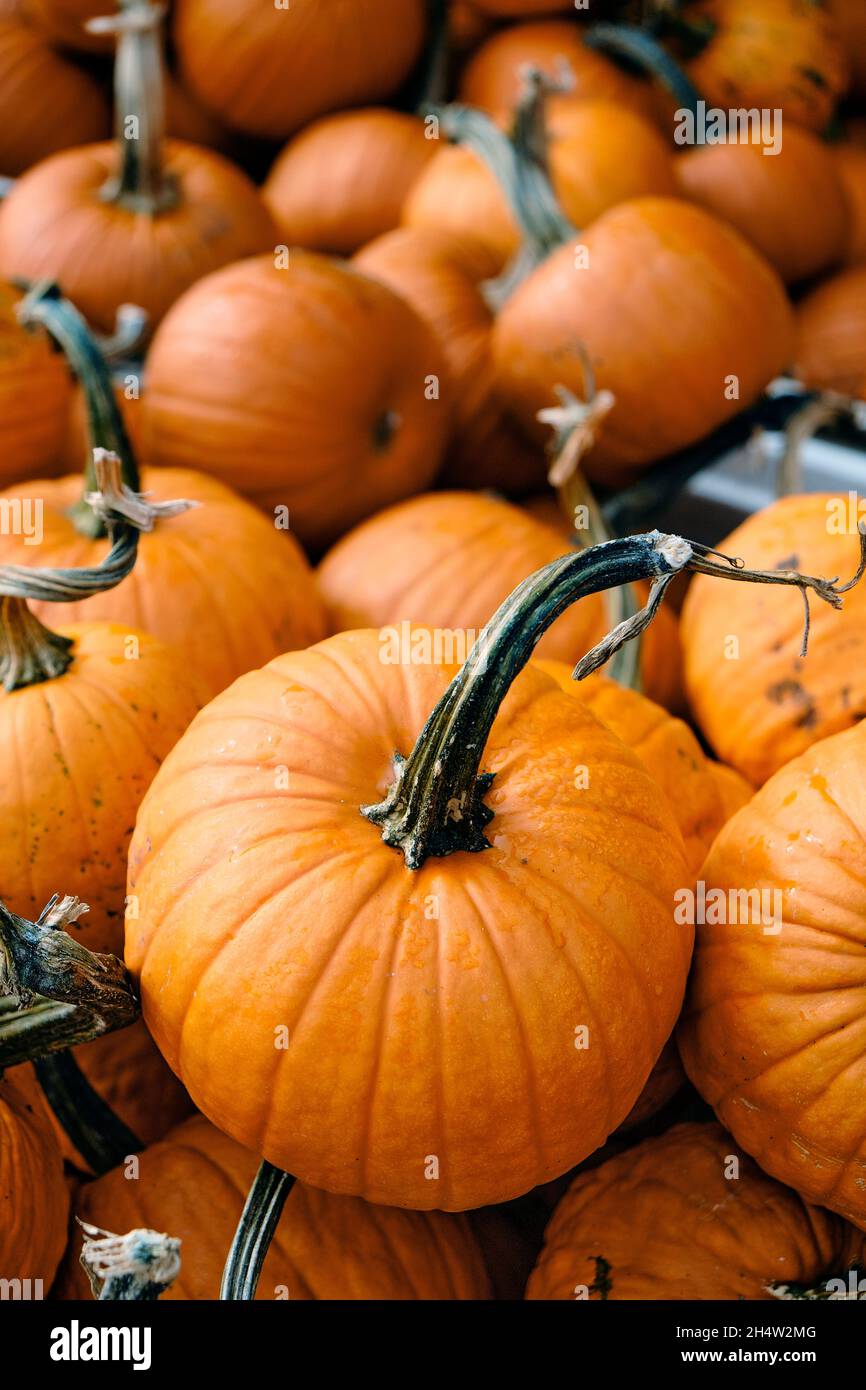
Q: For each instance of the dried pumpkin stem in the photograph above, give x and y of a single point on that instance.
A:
(132, 1268)
(141, 184)
(45, 305)
(63, 994)
(259, 1220)
(93, 1128)
(436, 804)
(641, 50)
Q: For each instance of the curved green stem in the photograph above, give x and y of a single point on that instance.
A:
(259, 1220)
(436, 804)
(100, 1136)
(641, 50)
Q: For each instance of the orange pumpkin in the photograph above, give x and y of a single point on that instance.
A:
(851, 166)
(34, 1200)
(791, 205)
(457, 195)
(756, 699)
(344, 179)
(665, 1081)
(831, 334)
(772, 1034)
(112, 224)
(784, 54)
(732, 787)
(702, 309)
(64, 22)
(46, 102)
(194, 1184)
(492, 78)
(449, 559)
(312, 388)
(682, 1217)
(268, 71)
(441, 277)
(667, 748)
(35, 394)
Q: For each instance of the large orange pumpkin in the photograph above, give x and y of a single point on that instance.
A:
(831, 334)
(702, 309)
(311, 388)
(687, 1216)
(515, 946)
(112, 223)
(267, 70)
(47, 103)
(441, 277)
(34, 1199)
(791, 205)
(773, 1031)
(757, 700)
(35, 396)
(193, 1184)
(345, 178)
(449, 559)
(784, 54)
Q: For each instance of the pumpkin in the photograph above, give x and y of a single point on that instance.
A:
(70, 109)
(492, 77)
(599, 155)
(783, 54)
(503, 937)
(772, 1032)
(441, 277)
(683, 1217)
(703, 309)
(448, 559)
(344, 179)
(732, 787)
(34, 1200)
(667, 748)
(831, 334)
(791, 205)
(35, 394)
(325, 1247)
(756, 699)
(851, 166)
(665, 1081)
(112, 223)
(64, 22)
(312, 389)
(268, 71)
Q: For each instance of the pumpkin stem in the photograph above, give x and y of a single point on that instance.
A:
(136, 1267)
(29, 651)
(141, 184)
(640, 50)
(45, 305)
(259, 1219)
(576, 423)
(436, 804)
(59, 993)
(100, 1136)
(816, 413)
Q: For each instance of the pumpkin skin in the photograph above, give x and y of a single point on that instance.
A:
(108, 255)
(792, 206)
(248, 592)
(194, 1184)
(733, 788)
(34, 1199)
(851, 166)
(701, 306)
(314, 424)
(71, 108)
(831, 334)
(449, 559)
(514, 962)
(35, 395)
(63, 22)
(770, 704)
(783, 54)
(457, 195)
(772, 1034)
(440, 276)
(268, 71)
(672, 1227)
(344, 180)
(492, 77)
(79, 754)
(667, 748)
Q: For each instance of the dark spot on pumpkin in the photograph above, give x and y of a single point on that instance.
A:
(602, 1284)
(790, 562)
(384, 430)
(814, 76)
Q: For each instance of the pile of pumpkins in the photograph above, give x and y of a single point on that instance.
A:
(512, 1069)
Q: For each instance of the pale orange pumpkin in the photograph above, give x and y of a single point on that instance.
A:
(344, 179)
(831, 334)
